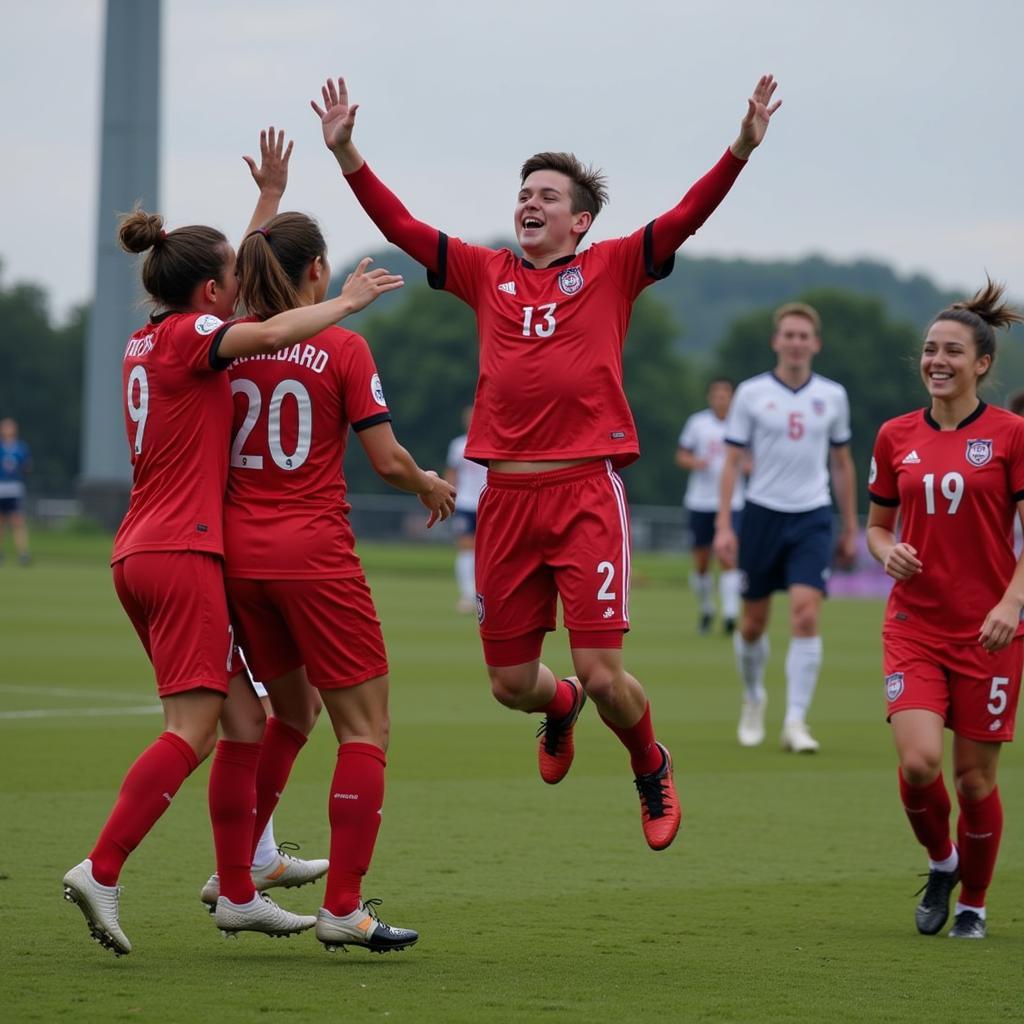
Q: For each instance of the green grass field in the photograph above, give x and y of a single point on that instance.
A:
(788, 895)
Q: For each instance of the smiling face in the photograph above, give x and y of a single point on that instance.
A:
(545, 224)
(950, 365)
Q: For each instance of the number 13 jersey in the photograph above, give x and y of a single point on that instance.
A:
(957, 492)
(285, 516)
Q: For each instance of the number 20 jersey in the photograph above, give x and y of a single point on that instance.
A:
(957, 492)
(285, 516)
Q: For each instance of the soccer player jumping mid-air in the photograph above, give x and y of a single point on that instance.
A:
(552, 423)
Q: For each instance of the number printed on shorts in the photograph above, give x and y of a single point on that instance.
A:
(605, 593)
(952, 488)
(304, 407)
(138, 411)
(543, 327)
(997, 698)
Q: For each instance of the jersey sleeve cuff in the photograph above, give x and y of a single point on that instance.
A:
(1018, 496)
(216, 363)
(371, 421)
(438, 279)
(878, 499)
(660, 272)
(736, 444)
(840, 444)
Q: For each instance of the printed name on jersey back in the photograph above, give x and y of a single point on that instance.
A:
(139, 347)
(301, 353)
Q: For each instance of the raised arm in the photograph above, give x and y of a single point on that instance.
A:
(245, 338)
(671, 229)
(385, 209)
(271, 176)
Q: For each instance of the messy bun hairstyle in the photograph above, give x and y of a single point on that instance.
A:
(177, 261)
(984, 313)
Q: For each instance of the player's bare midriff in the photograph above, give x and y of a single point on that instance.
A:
(507, 466)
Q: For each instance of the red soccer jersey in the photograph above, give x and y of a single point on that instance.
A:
(551, 341)
(178, 415)
(957, 492)
(286, 516)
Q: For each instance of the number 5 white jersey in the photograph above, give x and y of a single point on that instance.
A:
(789, 433)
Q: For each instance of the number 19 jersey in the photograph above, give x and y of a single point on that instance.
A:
(957, 492)
(285, 515)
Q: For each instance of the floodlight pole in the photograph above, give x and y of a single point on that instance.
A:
(128, 174)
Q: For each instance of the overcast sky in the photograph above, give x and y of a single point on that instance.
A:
(899, 138)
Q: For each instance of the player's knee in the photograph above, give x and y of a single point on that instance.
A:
(512, 689)
(975, 783)
(602, 682)
(803, 619)
(920, 767)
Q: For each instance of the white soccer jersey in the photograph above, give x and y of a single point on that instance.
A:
(470, 477)
(704, 436)
(789, 433)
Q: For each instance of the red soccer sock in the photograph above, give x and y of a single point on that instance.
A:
(146, 792)
(927, 810)
(638, 739)
(281, 745)
(357, 794)
(978, 831)
(232, 807)
(561, 704)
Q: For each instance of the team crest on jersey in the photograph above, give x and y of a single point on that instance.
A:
(376, 390)
(979, 452)
(570, 280)
(480, 608)
(873, 471)
(893, 686)
(207, 324)
(818, 405)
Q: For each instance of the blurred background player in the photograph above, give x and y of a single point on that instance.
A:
(298, 596)
(952, 477)
(701, 451)
(788, 419)
(168, 556)
(552, 421)
(468, 478)
(15, 464)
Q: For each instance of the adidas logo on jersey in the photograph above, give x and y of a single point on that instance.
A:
(912, 459)
(508, 286)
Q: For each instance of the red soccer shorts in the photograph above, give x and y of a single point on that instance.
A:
(544, 535)
(176, 602)
(328, 625)
(975, 692)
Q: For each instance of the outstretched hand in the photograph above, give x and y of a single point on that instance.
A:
(362, 287)
(439, 500)
(272, 173)
(759, 113)
(337, 117)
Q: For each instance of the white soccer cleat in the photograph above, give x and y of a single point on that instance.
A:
(261, 915)
(797, 740)
(99, 904)
(362, 928)
(750, 731)
(287, 872)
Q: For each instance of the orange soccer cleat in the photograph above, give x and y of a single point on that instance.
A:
(555, 750)
(659, 804)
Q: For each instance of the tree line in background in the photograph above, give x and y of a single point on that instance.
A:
(425, 346)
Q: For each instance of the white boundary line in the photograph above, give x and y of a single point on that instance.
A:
(149, 709)
(44, 690)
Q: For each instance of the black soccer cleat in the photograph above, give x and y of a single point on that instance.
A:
(729, 626)
(968, 925)
(932, 912)
(704, 625)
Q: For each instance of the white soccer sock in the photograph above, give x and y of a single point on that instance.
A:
(465, 574)
(729, 592)
(951, 863)
(803, 663)
(702, 586)
(751, 659)
(980, 911)
(266, 848)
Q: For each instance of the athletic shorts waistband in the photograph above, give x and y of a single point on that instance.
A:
(548, 478)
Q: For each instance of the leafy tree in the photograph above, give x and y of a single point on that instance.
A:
(41, 386)
(873, 357)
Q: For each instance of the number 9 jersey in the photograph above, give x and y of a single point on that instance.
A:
(957, 493)
(285, 514)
